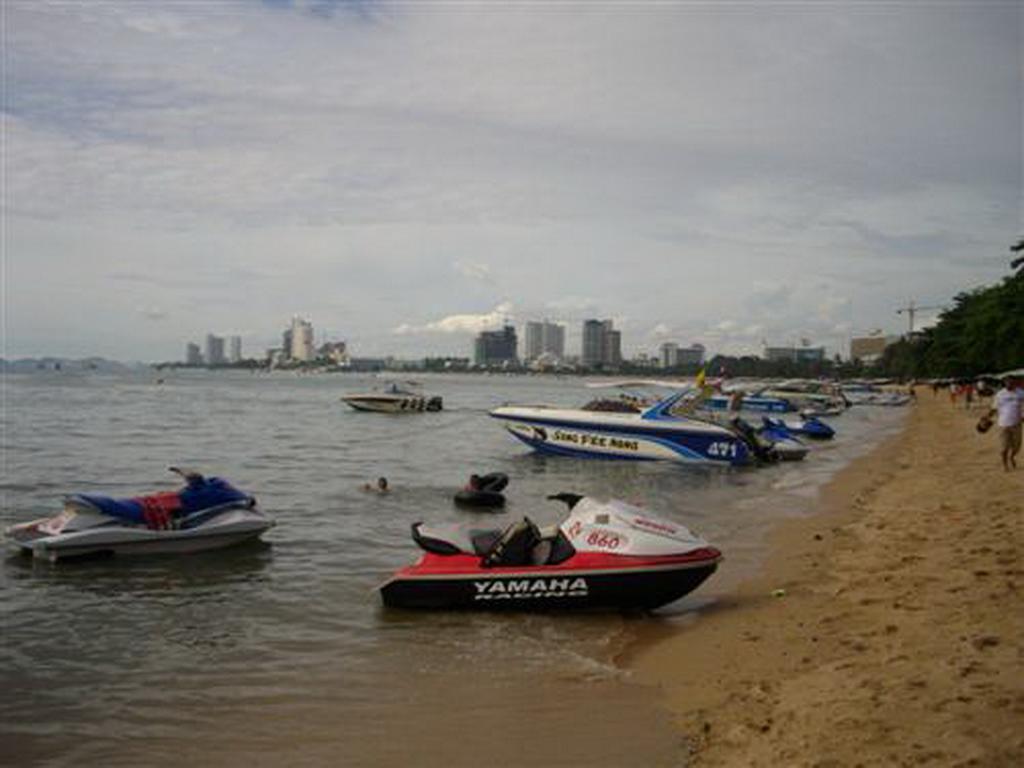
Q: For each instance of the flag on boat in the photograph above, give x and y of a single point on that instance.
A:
(700, 378)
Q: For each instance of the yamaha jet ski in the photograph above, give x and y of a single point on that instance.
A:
(606, 555)
(208, 513)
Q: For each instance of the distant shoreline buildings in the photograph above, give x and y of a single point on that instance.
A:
(213, 352)
(543, 350)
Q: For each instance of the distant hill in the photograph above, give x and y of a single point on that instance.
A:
(97, 364)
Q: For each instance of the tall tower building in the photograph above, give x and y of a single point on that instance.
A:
(192, 354)
(495, 347)
(544, 339)
(214, 350)
(602, 344)
(301, 339)
(669, 354)
(593, 335)
(611, 346)
(235, 349)
(534, 341)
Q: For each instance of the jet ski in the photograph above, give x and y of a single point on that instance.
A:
(605, 555)
(784, 444)
(208, 513)
(807, 426)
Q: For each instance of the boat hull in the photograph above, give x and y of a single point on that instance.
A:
(229, 529)
(393, 403)
(626, 437)
(755, 404)
(547, 589)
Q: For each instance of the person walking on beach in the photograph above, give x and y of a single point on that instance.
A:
(1008, 404)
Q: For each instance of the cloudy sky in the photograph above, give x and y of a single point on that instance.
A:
(405, 174)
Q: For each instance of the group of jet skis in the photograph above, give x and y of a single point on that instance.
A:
(604, 554)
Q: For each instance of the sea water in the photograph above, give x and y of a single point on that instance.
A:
(280, 652)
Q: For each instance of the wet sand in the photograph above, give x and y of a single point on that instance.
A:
(884, 630)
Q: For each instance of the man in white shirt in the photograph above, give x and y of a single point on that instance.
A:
(1008, 404)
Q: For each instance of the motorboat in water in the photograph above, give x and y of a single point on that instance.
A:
(605, 555)
(208, 513)
(861, 393)
(394, 399)
(815, 398)
(632, 431)
(737, 401)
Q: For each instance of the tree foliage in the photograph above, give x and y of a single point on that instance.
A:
(983, 332)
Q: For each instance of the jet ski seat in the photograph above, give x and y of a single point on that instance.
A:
(515, 547)
(454, 540)
(202, 494)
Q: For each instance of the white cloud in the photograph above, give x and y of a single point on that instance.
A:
(472, 269)
(462, 324)
(152, 313)
(358, 162)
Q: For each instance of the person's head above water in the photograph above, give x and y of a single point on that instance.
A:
(382, 483)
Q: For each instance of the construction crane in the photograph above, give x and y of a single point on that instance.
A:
(911, 309)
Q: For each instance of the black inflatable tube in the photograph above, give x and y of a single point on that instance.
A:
(479, 499)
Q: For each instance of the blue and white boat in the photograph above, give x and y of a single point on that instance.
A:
(638, 433)
(757, 403)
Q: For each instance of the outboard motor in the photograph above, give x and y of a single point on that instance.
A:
(748, 434)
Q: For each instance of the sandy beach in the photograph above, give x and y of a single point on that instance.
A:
(885, 630)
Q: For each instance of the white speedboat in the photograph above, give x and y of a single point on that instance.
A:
(393, 399)
(654, 432)
(208, 513)
(859, 393)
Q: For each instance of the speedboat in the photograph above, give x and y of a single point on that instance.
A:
(758, 403)
(818, 398)
(651, 432)
(859, 393)
(394, 399)
(806, 426)
(208, 513)
(605, 555)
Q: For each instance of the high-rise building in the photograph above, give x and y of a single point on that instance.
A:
(870, 348)
(669, 354)
(215, 350)
(235, 349)
(602, 344)
(495, 347)
(193, 356)
(611, 346)
(544, 339)
(691, 355)
(301, 338)
(593, 335)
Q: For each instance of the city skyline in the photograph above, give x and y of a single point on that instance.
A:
(411, 175)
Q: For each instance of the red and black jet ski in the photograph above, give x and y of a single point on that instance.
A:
(606, 555)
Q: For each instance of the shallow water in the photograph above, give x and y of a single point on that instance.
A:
(281, 651)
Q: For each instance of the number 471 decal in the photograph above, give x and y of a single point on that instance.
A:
(722, 450)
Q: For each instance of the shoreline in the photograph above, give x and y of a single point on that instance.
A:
(896, 638)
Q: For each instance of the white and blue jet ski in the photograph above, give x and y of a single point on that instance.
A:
(208, 513)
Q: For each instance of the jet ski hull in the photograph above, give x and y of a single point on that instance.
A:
(602, 583)
(227, 529)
